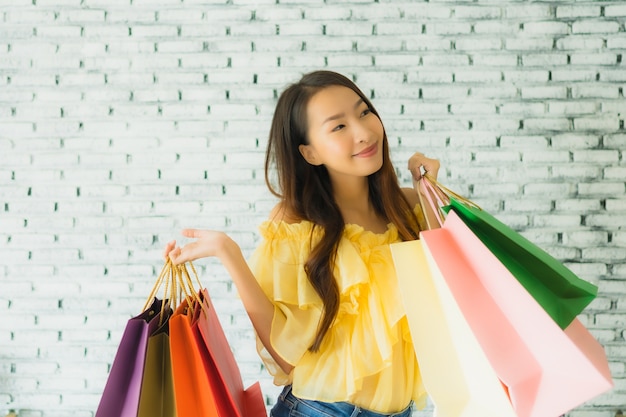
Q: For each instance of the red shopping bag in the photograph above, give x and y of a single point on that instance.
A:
(222, 368)
(547, 370)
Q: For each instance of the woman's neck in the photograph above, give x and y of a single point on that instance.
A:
(352, 198)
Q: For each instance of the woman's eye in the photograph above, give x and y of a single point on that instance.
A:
(338, 127)
(366, 112)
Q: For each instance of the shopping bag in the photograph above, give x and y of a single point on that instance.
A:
(548, 371)
(456, 373)
(555, 287)
(222, 368)
(207, 380)
(192, 388)
(120, 397)
(157, 387)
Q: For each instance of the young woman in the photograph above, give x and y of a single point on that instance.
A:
(320, 289)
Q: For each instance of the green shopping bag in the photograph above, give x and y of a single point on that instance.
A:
(561, 293)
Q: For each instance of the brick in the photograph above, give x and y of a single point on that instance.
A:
(426, 11)
(578, 43)
(526, 76)
(370, 12)
(544, 92)
(577, 205)
(603, 220)
(614, 10)
(495, 27)
(544, 59)
(577, 171)
(347, 60)
(477, 13)
(546, 28)
(396, 28)
(553, 190)
(563, 107)
(616, 106)
(450, 28)
(478, 44)
(556, 220)
(528, 44)
(594, 59)
(575, 141)
(604, 188)
(565, 12)
(543, 124)
(612, 75)
(595, 91)
(538, 11)
(595, 26)
(594, 123)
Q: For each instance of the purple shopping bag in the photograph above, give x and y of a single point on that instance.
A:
(120, 397)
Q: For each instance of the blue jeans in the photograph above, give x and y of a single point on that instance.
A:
(288, 405)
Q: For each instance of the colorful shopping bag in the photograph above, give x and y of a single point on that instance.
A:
(221, 366)
(556, 288)
(456, 373)
(157, 387)
(207, 380)
(559, 291)
(120, 397)
(547, 371)
(192, 388)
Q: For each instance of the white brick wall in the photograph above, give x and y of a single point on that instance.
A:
(122, 121)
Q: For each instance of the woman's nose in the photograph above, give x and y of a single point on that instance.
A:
(362, 133)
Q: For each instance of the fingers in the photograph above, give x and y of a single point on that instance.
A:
(176, 256)
(168, 248)
(419, 162)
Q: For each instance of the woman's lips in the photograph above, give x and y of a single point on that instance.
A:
(367, 152)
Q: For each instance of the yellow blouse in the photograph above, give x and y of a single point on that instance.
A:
(367, 356)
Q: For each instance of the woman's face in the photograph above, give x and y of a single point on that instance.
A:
(344, 135)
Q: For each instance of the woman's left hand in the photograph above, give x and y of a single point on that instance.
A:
(419, 161)
(208, 243)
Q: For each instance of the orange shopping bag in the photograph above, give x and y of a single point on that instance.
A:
(547, 370)
(207, 381)
(192, 390)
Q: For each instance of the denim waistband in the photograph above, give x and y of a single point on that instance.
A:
(337, 408)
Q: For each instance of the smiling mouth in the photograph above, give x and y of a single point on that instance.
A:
(368, 151)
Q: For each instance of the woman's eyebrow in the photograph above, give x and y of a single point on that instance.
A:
(340, 115)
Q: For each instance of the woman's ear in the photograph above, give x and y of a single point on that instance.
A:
(309, 154)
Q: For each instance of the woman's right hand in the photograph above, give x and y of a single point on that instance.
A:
(208, 243)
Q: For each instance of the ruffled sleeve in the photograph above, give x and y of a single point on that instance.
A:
(278, 265)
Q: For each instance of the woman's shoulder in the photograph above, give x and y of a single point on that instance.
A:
(284, 225)
(282, 213)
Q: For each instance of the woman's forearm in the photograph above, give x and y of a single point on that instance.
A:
(259, 308)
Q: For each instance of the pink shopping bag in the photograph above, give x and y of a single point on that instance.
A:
(548, 371)
(455, 371)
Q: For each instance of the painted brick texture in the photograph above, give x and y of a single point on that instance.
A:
(123, 121)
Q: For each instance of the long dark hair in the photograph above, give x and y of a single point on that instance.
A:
(306, 192)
